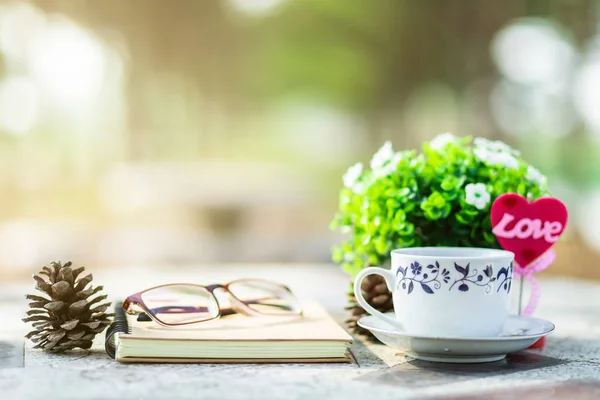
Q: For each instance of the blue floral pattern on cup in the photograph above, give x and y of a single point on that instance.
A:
(433, 277)
(474, 277)
(506, 283)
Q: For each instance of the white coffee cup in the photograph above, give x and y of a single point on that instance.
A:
(446, 291)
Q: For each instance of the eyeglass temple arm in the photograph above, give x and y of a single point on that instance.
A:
(190, 309)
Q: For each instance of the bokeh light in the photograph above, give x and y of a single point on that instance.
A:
(536, 59)
(520, 110)
(338, 132)
(587, 94)
(19, 24)
(255, 7)
(589, 218)
(19, 104)
(532, 51)
(67, 61)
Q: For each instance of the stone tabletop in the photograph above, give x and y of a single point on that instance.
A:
(568, 368)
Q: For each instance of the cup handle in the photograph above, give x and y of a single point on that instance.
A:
(389, 281)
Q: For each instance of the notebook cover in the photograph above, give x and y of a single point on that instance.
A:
(346, 359)
(314, 325)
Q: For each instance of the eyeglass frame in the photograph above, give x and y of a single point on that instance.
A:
(237, 305)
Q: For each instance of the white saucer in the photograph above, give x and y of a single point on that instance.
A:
(519, 333)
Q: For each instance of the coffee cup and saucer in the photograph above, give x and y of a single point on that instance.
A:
(451, 304)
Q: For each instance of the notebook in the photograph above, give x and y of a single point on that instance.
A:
(312, 337)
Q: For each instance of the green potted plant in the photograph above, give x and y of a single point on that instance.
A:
(438, 197)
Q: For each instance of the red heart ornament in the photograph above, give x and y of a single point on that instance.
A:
(527, 229)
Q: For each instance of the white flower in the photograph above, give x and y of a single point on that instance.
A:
(352, 176)
(359, 188)
(495, 146)
(481, 153)
(505, 160)
(491, 157)
(495, 152)
(477, 195)
(389, 167)
(398, 157)
(382, 156)
(440, 141)
(534, 175)
(419, 159)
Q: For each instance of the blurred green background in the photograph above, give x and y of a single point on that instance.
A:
(153, 132)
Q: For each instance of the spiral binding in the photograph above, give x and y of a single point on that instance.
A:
(119, 324)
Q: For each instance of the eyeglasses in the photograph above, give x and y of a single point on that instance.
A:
(183, 303)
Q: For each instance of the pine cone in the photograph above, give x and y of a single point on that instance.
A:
(376, 293)
(69, 315)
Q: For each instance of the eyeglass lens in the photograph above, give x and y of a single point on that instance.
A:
(265, 297)
(181, 304)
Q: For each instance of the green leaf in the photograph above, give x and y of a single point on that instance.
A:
(381, 246)
(422, 203)
(337, 255)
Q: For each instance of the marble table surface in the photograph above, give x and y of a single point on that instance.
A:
(567, 368)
